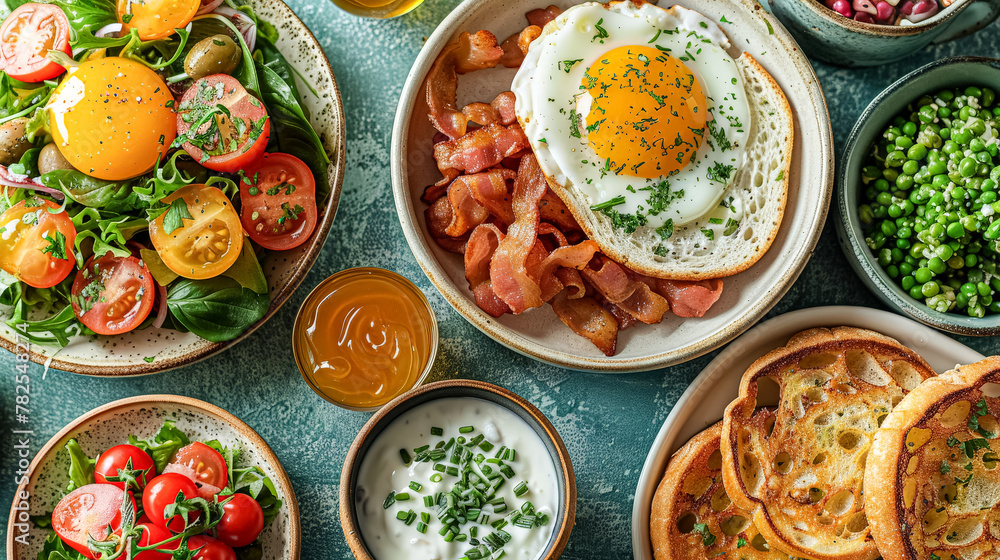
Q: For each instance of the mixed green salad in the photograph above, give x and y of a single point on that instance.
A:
(150, 152)
(160, 499)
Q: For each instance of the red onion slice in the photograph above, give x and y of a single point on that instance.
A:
(161, 312)
(242, 22)
(208, 6)
(11, 179)
(111, 28)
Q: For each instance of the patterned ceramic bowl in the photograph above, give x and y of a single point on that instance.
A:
(110, 425)
(747, 296)
(828, 36)
(873, 121)
(155, 350)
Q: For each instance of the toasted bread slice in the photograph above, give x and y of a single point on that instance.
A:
(799, 467)
(932, 479)
(758, 195)
(692, 517)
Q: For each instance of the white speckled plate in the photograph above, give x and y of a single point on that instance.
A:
(746, 297)
(125, 354)
(704, 401)
(111, 425)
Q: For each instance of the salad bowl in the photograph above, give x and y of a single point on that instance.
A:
(152, 350)
(105, 426)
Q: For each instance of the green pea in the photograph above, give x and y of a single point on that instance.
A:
(905, 268)
(958, 193)
(977, 311)
(955, 230)
(969, 289)
(986, 300)
(970, 223)
(988, 97)
(871, 172)
(936, 265)
(910, 260)
(939, 182)
(889, 228)
(926, 114)
(910, 167)
(930, 289)
(895, 211)
(944, 252)
(881, 185)
(923, 274)
(946, 95)
(895, 158)
(904, 233)
(917, 292)
(961, 300)
(956, 262)
(910, 128)
(951, 146)
(971, 260)
(977, 145)
(976, 127)
(890, 174)
(916, 151)
(908, 207)
(897, 255)
(908, 282)
(945, 133)
(892, 270)
(967, 167)
(917, 250)
(936, 231)
(992, 231)
(884, 198)
(884, 258)
(904, 142)
(904, 181)
(964, 113)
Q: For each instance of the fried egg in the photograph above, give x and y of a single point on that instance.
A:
(639, 108)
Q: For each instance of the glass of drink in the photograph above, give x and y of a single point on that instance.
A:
(380, 9)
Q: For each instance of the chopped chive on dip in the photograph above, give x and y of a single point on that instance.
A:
(468, 509)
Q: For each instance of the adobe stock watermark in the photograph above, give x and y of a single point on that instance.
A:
(21, 436)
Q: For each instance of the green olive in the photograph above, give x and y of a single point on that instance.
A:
(217, 54)
(13, 143)
(51, 159)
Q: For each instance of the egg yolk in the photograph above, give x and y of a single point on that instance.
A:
(648, 114)
(112, 118)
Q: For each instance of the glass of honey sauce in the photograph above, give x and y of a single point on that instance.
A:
(379, 9)
(363, 337)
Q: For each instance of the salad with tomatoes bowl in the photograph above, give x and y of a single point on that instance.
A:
(154, 478)
(169, 171)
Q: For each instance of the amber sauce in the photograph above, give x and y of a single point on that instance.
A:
(377, 8)
(363, 337)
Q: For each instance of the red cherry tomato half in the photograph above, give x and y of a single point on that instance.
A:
(27, 35)
(124, 458)
(278, 195)
(113, 295)
(203, 465)
(161, 492)
(36, 246)
(210, 549)
(88, 511)
(222, 140)
(242, 521)
(152, 534)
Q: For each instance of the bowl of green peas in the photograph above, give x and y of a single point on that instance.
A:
(919, 196)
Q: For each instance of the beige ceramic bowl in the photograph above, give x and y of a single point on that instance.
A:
(126, 354)
(746, 297)
(111, 425)
(563, 521)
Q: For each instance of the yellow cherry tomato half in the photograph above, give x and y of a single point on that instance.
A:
(156, 19)
(199, 236)
(112, 118)
(36, 245)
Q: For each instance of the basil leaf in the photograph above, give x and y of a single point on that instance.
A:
(175, 216)
(112, 196)
(81, 467)
(53, 549)
(87, 15)
(247, 271)
(291, 129)
(217, 309)
(161, 273)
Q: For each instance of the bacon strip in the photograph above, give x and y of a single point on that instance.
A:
(490, 190)
(516, 46)
(690, 299)
(500, 110)
(437, 190)
(467, 213)
(480, 149)
(613, 282)
(508, 270)
(541, 16)
(588, 319)
(554, 210)
(573, 257)
(469, 53)
(478, 252)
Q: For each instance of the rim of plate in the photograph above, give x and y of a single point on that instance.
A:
(902, 328)
(335, 176)
(241, 427)
(410, 223)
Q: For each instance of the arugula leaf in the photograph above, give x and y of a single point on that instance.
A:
(56, 245)
(81, 466)
(87, 15)
(217, 309)
(113, 196)
(54, 330)
(175, 216)
(164, 444)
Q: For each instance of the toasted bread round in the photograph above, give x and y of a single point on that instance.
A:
(799, 467)
(759, 192)
(932, 480)
(692, 517)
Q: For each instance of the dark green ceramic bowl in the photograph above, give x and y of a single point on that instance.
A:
(958, 71)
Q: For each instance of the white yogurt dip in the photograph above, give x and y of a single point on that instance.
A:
(383, 471)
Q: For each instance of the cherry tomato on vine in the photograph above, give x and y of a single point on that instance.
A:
(200, 236)
(27, 35)
(89, 511)
(222, 126)
(113, 295)
(278, 197)
(153, 534)
(203, 465)
(242, 521)
(36, 245)
(136, 462)
(163, 491)
(210, 549)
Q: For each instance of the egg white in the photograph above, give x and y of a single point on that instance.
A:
(547, 92)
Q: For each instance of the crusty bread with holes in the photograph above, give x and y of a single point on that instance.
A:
(799, 467)
(760, 188)
(692, 517)
(932, 480)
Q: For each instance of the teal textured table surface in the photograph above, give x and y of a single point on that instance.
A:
(607, 421)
